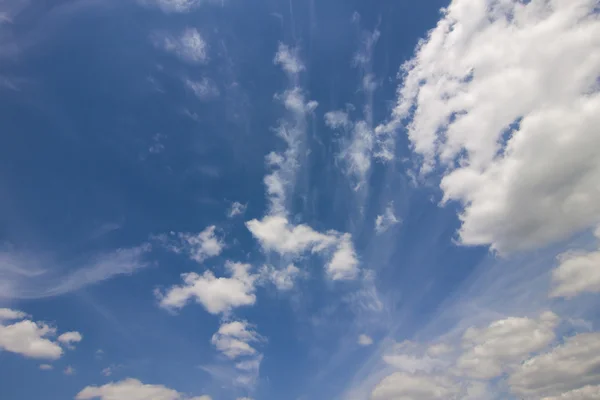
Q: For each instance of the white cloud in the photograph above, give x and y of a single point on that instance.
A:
(568, 367)
(344, 263)
(189, 46)
(133, 389)
(237, 208)
(275, 233)
(283, 278)
(589, 392)
(439, 349)
(488, 352)
(497, 93)
(70, 338)
(386, 220)
(288, 59)
(405, 386)
(337, 119)
(6, 314)
(69, 370)
(412, 358)
(233, 339)
(365, 340)
(198, 246)
(46, 367)
(107, 371)
(30, 339)
(577, 273)
(217, 295)
(203, 89)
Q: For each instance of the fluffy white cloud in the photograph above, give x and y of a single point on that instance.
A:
(578, 272)
(189, 46)
(406, 386)
(70, 338)
(411, 357)
(288, 59)
(237, 208)
(283, 278)
(275, 233)
(344, 263)
(439, 349)
(561, 371)
(365, 340)
(133, 389)
(6, 314)
(488, 352)
(233, 339)
(198, 246)
(203, 89)
(217, 295)
(386, 220)
(503, 95)
(30, 339)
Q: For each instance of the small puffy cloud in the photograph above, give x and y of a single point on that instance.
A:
(133, 389)
(46, 367)
(198, 246)
(203, 89)
(337, 119)
(217, 295)
(233, 339)
(70, 338)
(401, 385)
(578, 272)
(365, 340)
(69, 370)
(288, 59)
(486, 107)
(386, 220)
(561, 372)
(282, 278)
(487, 352)
(30, 339)
(189, 46)
(275, 233)
(6, 314)
(237, 208)
(344, 263)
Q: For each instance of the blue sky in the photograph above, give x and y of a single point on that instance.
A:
(265, 199)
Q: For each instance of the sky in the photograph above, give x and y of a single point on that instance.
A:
(299, 199)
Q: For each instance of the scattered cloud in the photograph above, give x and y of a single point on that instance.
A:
(282, 278)
(69, 370)
(133, 389)
(217, 295)
(198, 246)
(6, 314)
(494, 112)
(204, 89)
(30, 339)
(46, 367)
(107, 371)
(233, 339)
(189, 46)
(365, 340)
(386, 220)
(237, 208)
(401, 385)
(337, 120)
(288, 59)
(344, 262)
(576, 273)
(177, 6)
(70, 338)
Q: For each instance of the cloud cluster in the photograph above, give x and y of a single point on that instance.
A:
(31, 339)
(386, 220)
(494, 96)
(189, 46)
(198, 246)
(216, 294)
(275, 233)
(133, 389)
